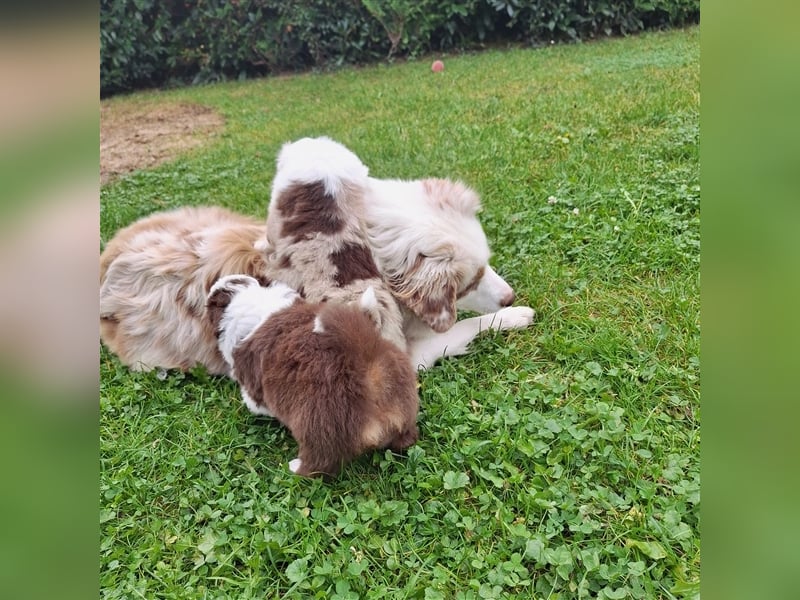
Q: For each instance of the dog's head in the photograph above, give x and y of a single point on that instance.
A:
(237, 304)
(221, 295)
(437, 261)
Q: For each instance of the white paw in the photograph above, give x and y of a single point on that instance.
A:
(253, 406)
(513, 317)
(294, 465)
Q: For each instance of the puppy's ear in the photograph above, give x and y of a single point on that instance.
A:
(428, 287)
(368, 303)
(216, 305)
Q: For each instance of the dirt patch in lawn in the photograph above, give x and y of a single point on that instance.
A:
(134, 137)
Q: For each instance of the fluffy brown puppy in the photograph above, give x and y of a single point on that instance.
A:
(322, 370)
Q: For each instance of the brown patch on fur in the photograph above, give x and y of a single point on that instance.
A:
(341, 392)
(330, 262)
(353, 261)
(183, 301)
(437, 311)
(307, 209)
(286, 262)
(476, 281)
(211, 279)
(216, 305)
(262, 280)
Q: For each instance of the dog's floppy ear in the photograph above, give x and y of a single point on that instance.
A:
(221, 293)
(428, 287)
(218, 301)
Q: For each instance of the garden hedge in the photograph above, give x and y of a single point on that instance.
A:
(146, 43)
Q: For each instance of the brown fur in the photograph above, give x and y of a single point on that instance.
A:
(429, 289)
(317, 242)
(341, 392)
(353, 262)
(472, 285)
(218, 302)
(308, 210)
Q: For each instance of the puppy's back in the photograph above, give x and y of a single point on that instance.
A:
(389, 401)
(325, 373)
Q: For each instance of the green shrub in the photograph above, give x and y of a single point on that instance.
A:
(418, 26)
(224, 38)
(133, 47)
(149, 42)
(538, 21)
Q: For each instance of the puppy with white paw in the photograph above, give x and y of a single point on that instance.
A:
(323, 370)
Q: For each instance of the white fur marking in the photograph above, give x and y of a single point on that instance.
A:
(453, 342)
(310, 160)
(513, 317)
(295, 464)
(318, 326)
(368, 299)
(489, 294)
(254, 407)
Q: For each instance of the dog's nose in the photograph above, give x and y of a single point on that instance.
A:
(508, 299)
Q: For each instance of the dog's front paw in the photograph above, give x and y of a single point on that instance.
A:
(513, 317)
(294, 465)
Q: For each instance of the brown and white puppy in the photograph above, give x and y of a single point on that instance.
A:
(321, 369)
(316, 240)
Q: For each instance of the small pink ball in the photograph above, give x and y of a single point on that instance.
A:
(437, 66)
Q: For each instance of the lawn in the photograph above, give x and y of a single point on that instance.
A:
(561, 461)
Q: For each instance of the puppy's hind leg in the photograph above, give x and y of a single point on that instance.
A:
(253, 406)
(307, 464)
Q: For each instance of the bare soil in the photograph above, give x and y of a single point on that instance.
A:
(136, 137)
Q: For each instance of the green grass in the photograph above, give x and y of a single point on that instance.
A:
(561, 461)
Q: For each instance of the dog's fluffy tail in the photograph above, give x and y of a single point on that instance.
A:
(312, 160)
